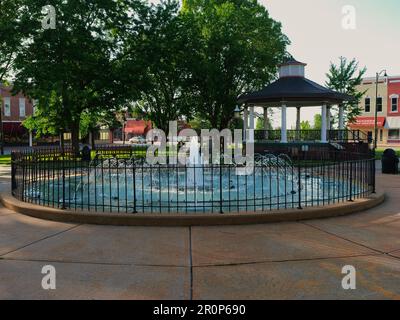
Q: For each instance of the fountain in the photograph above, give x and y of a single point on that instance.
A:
(195, 165)
(133, 185)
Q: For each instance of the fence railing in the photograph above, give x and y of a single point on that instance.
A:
(312, 135)
(124, 183)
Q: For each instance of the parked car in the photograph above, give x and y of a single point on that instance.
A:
(138, 140)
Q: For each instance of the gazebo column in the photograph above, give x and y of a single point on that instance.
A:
(283, 124)
(252, 124)
(298, 123)
(30, 138)
(328, 122)
(341, 122)
(266, 123)
(328, 117)
(341, 117)
(324, 125)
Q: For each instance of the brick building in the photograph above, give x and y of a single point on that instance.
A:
(14, 110)
(387, 105)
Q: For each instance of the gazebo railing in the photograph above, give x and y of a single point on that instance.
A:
(312, 135)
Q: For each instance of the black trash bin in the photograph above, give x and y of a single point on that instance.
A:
(390, 162)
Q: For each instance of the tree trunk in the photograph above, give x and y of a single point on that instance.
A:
(75, 137)
(93, 139)
(62, 144)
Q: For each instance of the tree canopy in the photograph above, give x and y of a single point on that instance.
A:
(345, 78)
(74, 67)
(236, 48)
(169, 62)
(164, 48)
(10, 35)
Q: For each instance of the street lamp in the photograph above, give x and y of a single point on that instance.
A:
(376, 107)
(238, 111)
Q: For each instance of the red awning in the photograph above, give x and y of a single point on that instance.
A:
(367, 122)
(137, 127)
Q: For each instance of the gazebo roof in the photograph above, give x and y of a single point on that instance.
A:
(292, 61)
(293, 88)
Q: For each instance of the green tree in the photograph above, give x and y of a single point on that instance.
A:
(91, 122)
(260, 124)
(10, 39)
(236, 48)
(305, 125)
(45, 121)
(164, 47)
(199, 123)
(317, 122)
(10, 35)
(345, 78)
(78, 63)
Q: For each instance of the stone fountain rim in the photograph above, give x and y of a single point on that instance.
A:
(185, 220)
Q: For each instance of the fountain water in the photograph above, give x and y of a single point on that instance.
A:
(195, 163)
(195, 187)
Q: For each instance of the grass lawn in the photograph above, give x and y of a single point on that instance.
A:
(5, 160)
(379, 152)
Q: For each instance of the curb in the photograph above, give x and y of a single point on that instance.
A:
(185, 220)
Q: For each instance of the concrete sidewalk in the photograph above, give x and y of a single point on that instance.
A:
(300, 260)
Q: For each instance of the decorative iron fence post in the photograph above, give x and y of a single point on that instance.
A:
(300, 207)
(351, 181)
(134, 188)
(222, 149)
(374, 173)
(63, 181)
(13, 172)
(23, 182)
(220, 190)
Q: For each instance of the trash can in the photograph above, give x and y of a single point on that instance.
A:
(390, 162)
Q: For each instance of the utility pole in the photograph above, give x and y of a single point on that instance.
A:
(376, 108)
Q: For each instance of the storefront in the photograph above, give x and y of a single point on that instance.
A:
(367, 125)
(393, 125)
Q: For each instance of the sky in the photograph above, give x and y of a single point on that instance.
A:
(318, 37)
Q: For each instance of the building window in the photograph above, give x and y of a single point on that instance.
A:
(370, 136)
(67, 136)
(379, 103)
(394, 134)
(367, 104)
(22, 112)
(381, 135)
(7, 106)
(104, 135)
(395, 102)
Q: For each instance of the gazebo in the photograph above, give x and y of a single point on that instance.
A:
(293, 89)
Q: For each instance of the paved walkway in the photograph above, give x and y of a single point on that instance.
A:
(300, 260)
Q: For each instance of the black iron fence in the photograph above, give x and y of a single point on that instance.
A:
(345, 135)
(124, 182)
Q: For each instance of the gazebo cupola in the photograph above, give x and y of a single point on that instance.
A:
(292, 68)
